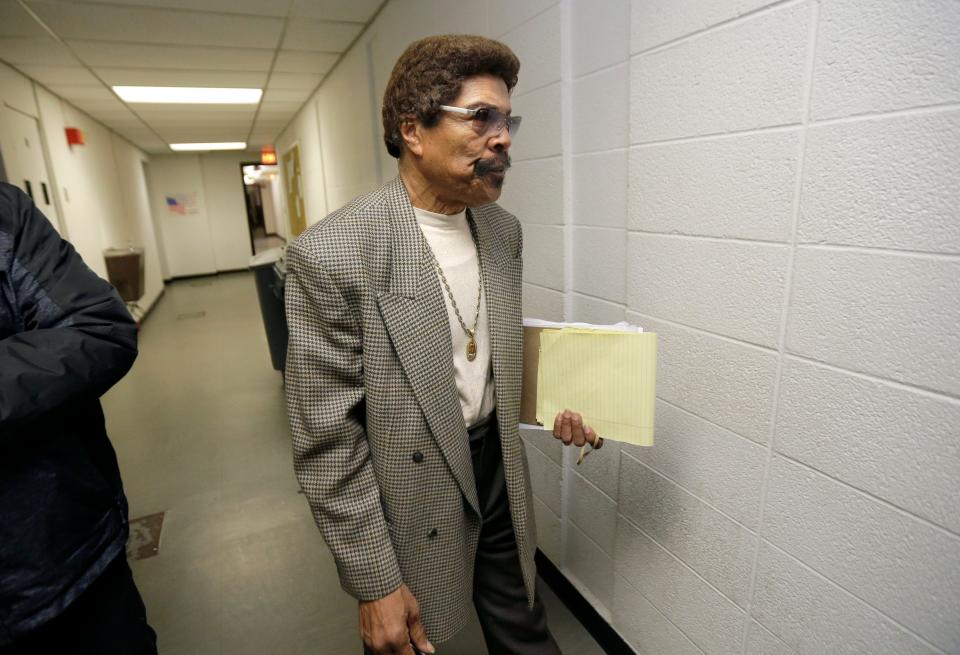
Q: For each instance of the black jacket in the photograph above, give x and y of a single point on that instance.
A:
(65, 338)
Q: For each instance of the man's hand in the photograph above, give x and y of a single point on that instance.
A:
(390, 624)
(569, 428)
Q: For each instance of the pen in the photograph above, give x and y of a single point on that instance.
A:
(583, 449)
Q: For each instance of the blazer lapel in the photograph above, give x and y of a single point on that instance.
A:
(415, 316)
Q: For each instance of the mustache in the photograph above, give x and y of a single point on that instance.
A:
(497, 163)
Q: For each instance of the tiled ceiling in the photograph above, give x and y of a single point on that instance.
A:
(79, 49)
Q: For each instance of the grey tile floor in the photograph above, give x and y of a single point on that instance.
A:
(200, 432)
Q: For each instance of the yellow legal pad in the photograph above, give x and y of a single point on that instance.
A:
(607, 376)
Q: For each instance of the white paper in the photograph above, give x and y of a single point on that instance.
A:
(622, 326)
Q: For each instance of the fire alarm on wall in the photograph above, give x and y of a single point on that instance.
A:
(75, 136)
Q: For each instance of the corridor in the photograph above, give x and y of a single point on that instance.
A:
(201, 434)
(768, 187)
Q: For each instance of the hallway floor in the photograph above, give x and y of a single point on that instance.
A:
(200, 430)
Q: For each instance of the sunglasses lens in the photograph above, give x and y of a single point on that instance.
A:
(488, 122)
(484, 120)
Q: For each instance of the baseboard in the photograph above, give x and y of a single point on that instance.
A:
(200, 276)
(602, 632)
(149, 309)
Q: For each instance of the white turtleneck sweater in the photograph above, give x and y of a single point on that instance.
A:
(450, 239)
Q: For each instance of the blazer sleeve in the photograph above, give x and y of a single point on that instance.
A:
(73, 336)
(325, 403)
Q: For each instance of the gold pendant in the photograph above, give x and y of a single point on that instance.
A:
(471, 346)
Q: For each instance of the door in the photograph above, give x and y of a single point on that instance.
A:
(24, 161)
(291, 174)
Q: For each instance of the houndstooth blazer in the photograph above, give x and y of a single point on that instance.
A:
(370, 384)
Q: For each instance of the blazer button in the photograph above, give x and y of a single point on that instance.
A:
(418, 457)
(433, 534)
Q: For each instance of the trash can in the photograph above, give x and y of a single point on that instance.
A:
(125, 271)
(269, 271)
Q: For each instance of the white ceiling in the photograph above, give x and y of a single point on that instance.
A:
(79, 48)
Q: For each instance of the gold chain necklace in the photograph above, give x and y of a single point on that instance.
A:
(471, 333)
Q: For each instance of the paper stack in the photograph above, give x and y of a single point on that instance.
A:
(605, 372)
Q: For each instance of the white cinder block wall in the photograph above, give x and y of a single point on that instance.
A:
(772, 187)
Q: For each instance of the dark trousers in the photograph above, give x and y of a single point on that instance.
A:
(107, 619)
(510, 626)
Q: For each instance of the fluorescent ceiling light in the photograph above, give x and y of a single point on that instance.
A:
(235, 145)
(188, 94)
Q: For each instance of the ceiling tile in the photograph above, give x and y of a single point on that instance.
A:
(134, 133)
(131, 125)
(295, 61)
(136, 55)
(258, 7)
(36, 50)
(82, 91)
(14, 21)
(151, 146)
(200, 125)
(287, 95)
(294, 81)
(136, 24)
(144, 77)
(109, 116)
(292, 106)
(202, 135)
(100, 104)
(272, 115)
(114, 118)
(350, 10)
(268, 125)
(134, 127)
(187, 113)
(260, 140)
(49, 75)
(206, 132)
(320, 36)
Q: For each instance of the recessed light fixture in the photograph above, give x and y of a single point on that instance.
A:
(188, 95)
(234, 145)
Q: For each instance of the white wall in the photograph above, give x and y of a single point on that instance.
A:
(214, 236)
(771, 187)
(226, 207)
(789, 227)
(186, 237)
(137, 227)
(98, 187)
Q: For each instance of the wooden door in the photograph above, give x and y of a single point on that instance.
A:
(294, 189)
